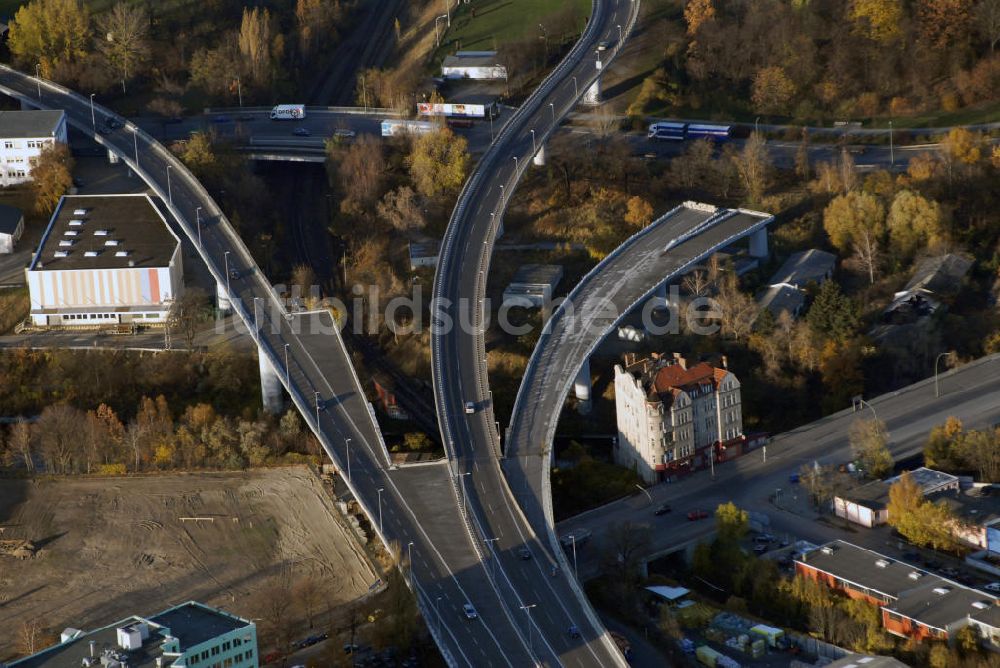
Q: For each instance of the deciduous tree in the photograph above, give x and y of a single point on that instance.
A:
(697, 12)
(190, 310)
(869, 444)
(53, 33)
(438, 162)
(123, 39)
(639, 213)
(754, 166)
(402, 209)
(256, 39)
(879, 20)
(914, 222)
(773, 90)
(361, 171)
(51, 176)
(847, 215)
(987, 18)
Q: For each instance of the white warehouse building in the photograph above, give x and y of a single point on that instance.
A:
(105, 260)
(23, 134)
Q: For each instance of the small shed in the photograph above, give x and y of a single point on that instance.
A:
(424, 253)
(668, 594)
(533, 285)
(473, 65)
(11, 227)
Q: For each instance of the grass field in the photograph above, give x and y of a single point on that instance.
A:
(501, 21)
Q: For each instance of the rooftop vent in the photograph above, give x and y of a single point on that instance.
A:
(67, 242)
(121, 254)
(101, 233)
(111, 242)
(980, 605)
(881, 563)
(941, 591)
(61, 253)
(91, 253)
(79, 212)
(70, 233)
(915, 575)
(827, 549)
(76, 222)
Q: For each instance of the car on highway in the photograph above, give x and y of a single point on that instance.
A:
(113, 123)
(793, 478)
(602, 45)
(574, 632)
(662, 509)
(524, 553)
(993, 586)
(470, 407)
(221, 119)
(470, 611)
(301, 132)
(345, 134)
(696, 515)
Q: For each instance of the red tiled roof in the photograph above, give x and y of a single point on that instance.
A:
(674, 376)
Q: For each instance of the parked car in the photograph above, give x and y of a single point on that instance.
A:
(301, 132)
(793, 478)
(949, 572)
(695, 515)
(524, 553)
(470, 611)
(662, 509)
(602, 45)
(271, 657)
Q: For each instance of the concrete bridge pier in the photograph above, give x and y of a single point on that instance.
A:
(112, 157)
(270, 385)
(758, 243)
(539, 159)
(222, 298)
(581, 388)
(592, 96)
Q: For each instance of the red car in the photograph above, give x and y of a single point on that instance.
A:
(695, 515)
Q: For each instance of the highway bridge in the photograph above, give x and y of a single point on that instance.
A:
(541, 585)
(416, 510)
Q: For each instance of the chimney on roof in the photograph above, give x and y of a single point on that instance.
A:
(724, 362)
(679, 359)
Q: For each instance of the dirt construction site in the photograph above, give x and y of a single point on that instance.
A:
(87, 552)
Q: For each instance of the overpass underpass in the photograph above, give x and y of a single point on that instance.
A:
(631, 275)
(416, 509)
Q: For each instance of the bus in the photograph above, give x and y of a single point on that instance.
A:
(712, 132)
(288, 112)
(665, 130)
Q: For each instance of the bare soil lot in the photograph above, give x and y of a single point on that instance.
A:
(111, 547)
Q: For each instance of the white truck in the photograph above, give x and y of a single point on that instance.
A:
(288, 112)
(395, 128)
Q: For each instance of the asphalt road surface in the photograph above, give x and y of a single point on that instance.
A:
(549, 600)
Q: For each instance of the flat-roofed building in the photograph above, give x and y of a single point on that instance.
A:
(189, 635)
(23, 135)
(473, 65)
(105, 260)
(533, 285)
(424, 253)
(868, 505)
(914, 603)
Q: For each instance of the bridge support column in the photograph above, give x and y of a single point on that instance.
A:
(222, 298)
(581, 388)
(539, 159)
(758, 243)
(593, 94)
(270, 385)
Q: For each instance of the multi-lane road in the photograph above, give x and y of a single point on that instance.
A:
(415, 509)
(535, 587)
(970, 393)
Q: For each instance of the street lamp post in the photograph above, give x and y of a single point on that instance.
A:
(646, 492)
(552, 106)
(515, 166)
(576, 90)
(170, 192)
(437, 34)
(93, 116)
(534, 147)
(501, 194)
(892, 152)
(619, 45)
(937, 359)
(135, 145)
(287, 378)
(317, 421)
(527, 609)
(756, 125)
(38, 80)
(256, 316)
(239, 91)
(197, 215)
(447, 10)
(380, 490)
(572, 538)
(461, 484)
(437, 612)
(348, 444)
(493, 558)
(229, 294)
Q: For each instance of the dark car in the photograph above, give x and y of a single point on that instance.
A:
(234, 274)
(662, 509)
(113, 123)
(574, 632)
(104, 130)
(695, 515)
(221, 119)
(301, 132)
(524, 553)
